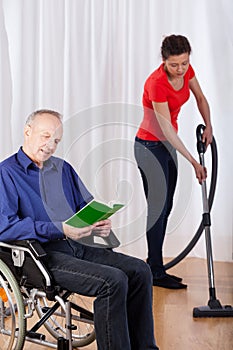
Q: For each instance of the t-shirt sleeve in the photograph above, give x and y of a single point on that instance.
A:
(191, 72)
(157, 92)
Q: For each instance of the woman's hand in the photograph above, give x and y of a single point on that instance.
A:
(207, 135)
(201, 172)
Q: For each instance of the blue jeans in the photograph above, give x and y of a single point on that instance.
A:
(157, 162)
(121, 284)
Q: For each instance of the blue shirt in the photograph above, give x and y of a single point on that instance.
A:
(34, 202)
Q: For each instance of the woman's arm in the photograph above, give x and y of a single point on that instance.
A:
(164, 118)
(204, 109)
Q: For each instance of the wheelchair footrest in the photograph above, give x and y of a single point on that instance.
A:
(35, 335)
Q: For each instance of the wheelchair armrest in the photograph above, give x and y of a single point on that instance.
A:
(34, 246)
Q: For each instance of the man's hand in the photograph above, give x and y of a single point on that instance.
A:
(76, 233)
(102, 228)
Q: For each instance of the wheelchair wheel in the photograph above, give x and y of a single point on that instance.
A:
(81, 316)
(12, 311)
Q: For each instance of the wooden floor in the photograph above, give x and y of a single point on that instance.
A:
(175, 328)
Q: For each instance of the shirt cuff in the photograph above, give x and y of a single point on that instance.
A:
(56, 231)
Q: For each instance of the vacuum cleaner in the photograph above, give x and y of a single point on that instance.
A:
(214, 307)
(197, 235)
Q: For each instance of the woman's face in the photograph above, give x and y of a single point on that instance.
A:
(177, 66)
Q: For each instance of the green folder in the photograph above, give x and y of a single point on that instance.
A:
(92, 212)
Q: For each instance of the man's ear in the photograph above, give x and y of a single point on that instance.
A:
(27, 130)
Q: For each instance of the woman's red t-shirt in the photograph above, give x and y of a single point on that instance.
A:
(158, 89)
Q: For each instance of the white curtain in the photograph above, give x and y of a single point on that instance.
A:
(89, 59)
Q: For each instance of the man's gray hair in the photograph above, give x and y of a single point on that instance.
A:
(33, 115)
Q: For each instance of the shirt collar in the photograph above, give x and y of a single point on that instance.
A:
(26, 162)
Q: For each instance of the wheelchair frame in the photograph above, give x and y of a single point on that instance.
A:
(19, 300)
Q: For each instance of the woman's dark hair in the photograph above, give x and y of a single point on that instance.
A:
(174, 45)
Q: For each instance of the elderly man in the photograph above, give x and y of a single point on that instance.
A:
(38, 193)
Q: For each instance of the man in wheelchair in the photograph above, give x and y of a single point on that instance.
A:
(38, 193)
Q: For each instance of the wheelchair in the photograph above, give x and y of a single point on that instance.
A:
(27, 289)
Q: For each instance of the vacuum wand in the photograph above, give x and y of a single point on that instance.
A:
(207, 223)
(206, 216)
(214, 307)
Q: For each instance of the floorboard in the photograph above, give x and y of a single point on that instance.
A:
(175, 328)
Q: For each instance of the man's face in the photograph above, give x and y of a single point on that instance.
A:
(41, 138)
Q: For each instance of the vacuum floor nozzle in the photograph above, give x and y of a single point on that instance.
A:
(207, 311)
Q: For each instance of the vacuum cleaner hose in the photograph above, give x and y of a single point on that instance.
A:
(197, 235)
